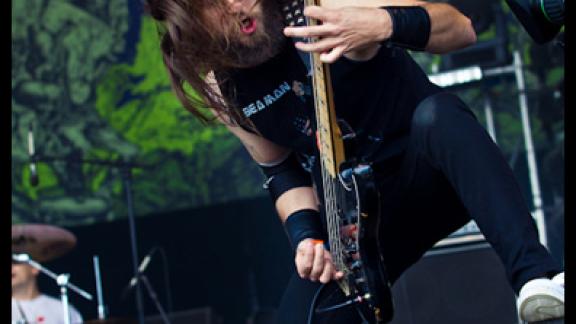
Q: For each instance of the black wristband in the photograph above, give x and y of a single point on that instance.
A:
(282, 182)
(410, 27)
(303, 224)
(284, 176)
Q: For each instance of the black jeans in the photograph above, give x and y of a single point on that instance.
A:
(451, 172)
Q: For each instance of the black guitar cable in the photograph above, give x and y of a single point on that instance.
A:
(313, 304)
(350, 302)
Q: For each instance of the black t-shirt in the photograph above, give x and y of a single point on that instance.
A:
(376, 98)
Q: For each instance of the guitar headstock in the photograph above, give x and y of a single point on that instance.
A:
(294, 13)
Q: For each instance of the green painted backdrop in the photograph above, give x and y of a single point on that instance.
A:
(88, 77)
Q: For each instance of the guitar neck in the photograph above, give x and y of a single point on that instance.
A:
(330, 141)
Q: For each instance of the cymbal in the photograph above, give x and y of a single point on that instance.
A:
(42, 242)
(112, 321)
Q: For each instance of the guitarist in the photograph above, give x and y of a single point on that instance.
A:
(435, 165)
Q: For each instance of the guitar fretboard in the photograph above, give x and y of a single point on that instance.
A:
(329, 137)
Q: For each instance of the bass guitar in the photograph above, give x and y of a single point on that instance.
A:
(351, 199)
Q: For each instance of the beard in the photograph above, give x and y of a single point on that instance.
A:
(244, 51)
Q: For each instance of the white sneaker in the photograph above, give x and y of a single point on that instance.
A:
(542, 299)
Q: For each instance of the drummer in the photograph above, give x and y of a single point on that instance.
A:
(29, 305)
(42, 243)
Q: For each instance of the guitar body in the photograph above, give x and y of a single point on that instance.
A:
(365, 273)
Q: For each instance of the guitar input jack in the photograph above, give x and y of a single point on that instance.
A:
(349, 302)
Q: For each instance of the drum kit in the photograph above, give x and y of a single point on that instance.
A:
(38, 243)
(35, 243)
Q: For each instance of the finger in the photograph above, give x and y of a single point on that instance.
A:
(333, 55)
(323, 45)
(304, 258)
(312, 31)
(328, 272)
(320, 13)
(318, 266)
(337, 275)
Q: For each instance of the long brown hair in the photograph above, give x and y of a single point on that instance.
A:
(190, 50)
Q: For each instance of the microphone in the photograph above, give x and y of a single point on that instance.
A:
(34, 180)
(141, 268)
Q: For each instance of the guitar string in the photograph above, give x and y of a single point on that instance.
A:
(331, 211)
(331, 208)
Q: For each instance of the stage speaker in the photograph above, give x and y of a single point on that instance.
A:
(192, 316)
(455, 286)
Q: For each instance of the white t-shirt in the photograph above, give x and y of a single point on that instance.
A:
(42, 310)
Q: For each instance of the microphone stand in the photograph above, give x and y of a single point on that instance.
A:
(149, 289)
(126, 172)
(125, 169)
(154, 297)
(63, 280)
